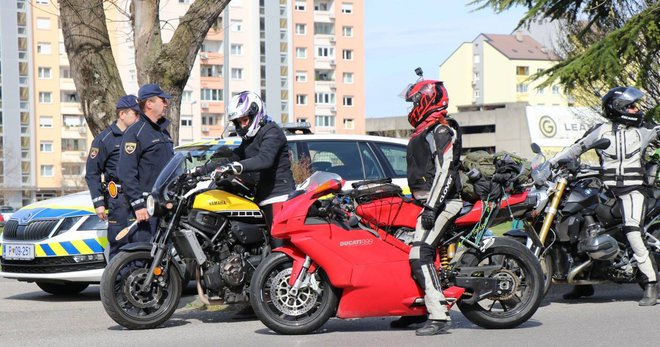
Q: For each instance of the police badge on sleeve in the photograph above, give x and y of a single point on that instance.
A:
(93, 152)
(129, 147)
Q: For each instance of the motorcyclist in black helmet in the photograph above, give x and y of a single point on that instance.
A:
(623, 173)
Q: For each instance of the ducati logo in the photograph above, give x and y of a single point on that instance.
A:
(93, 152)
(129, 147)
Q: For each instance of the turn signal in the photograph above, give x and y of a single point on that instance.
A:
(158, 271)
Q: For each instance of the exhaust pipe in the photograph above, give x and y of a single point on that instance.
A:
(577, 270)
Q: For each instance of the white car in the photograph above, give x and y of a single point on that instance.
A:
(60, 243)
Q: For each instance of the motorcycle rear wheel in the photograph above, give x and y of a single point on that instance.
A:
(519, 267)
(284, 312)
(126, 304)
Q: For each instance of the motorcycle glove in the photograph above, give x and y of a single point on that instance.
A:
(427, 219)
(231, 168)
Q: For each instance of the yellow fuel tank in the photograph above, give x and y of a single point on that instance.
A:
(221, 201)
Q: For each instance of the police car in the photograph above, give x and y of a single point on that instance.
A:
(60, 243)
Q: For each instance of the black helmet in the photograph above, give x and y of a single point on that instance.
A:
(616, 105)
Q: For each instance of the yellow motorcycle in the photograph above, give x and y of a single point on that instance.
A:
(207, 224)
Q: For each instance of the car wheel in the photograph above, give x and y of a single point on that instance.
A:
(62, 288)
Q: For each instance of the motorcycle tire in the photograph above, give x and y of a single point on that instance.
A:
(124, 302)
(547, 266)
(520, 268)
(283, 312)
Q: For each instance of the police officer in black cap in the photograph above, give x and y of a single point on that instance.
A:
(146, 148)
(102, 161)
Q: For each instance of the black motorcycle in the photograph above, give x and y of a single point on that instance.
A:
(576, 225)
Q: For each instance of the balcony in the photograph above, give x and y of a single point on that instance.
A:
(324, 16)
(70, 108)
(212, 131)
(74, 132)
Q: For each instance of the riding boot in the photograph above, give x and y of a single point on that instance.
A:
(406, 321)
(650, 294)
(434, 327)
(579, 292)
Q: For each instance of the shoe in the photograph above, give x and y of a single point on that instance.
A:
(650, 295)
(579, 292)
(434, 327)
(406, 321)
(245, 314)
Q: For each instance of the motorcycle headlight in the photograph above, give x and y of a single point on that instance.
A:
(151, 205)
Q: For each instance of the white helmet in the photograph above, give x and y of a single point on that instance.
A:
(247, 104)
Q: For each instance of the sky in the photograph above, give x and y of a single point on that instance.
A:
(418, 33)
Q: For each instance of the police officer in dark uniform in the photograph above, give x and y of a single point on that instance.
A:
(146, 148)
(102, 161)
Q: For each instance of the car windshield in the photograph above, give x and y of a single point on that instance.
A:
(5, 209)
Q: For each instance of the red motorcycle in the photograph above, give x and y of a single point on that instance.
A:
(333, 265)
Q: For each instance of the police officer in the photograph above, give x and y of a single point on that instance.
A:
(146, 148)
(102, 161)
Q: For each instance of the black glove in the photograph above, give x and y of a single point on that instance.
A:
(427, 218)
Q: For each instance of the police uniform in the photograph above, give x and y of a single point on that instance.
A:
(102, 161)
(146, 148)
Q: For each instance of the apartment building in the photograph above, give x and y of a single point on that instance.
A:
(17, 145)
(495, 69)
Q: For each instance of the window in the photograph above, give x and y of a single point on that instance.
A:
(347, 31)
(300, 6)
(321, 6)
(73, 145)
(301, 29)
(325, 121)
(324, 98)
(236, 49)
(42, 2)
(65, 72)
(301, 120)
(45, 97)
(555, 90)
(301, 76)
(44, 72)
(349, 159)
(347, 8)
(324, 28)
(186, 121)
(211, 118)
(236, 25)
(211, 70)
(72, 169)
(46, 170)
(348, 77)
(301, 99)
(521, 88)
(475, 76)
(347, 54)
(185, 2)
(301, 52)
(325, 52)
(45, 122)
(540, 91)
(349, 123)
(186, 96)
(43, 48)
(236, 73)
(73, 120)
(348, 101)
(396, 157)
(522, 70)
(43, 23)
(46, 146)
(211, 94)
(477, 59)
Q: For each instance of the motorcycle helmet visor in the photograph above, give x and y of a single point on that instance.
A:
(630, 98)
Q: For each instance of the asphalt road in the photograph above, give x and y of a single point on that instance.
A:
(30, 317)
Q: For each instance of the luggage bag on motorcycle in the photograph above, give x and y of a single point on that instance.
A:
(490, 166)
(368, 192)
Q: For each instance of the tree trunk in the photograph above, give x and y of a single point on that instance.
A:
(169, 65)
(93, 66)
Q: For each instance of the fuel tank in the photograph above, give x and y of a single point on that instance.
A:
(221, 201)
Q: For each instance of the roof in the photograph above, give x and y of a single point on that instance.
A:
(294, 138)
(520, 47)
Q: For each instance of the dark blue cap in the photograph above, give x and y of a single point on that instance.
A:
(149, 90)
(128, 101)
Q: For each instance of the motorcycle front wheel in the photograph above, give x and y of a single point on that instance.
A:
(520, 283)
(286, 312)
(126, 303)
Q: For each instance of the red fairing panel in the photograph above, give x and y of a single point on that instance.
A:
(474, 215)
(388, 212)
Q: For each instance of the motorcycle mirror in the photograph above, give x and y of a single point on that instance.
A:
(536, 149)
(601, 144)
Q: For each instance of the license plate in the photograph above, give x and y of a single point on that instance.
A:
(18, 251)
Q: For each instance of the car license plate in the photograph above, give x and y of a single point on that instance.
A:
(18, 251)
